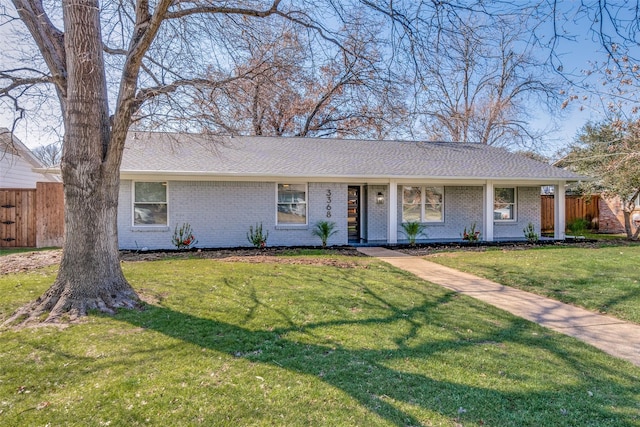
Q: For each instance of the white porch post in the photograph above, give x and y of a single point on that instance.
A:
(488, 212)
(392, 217)
(559, 220)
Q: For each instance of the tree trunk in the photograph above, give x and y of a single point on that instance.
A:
(629, 225)
(90, 276)
(627, 222)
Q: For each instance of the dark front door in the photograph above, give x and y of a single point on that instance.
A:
(353, 214)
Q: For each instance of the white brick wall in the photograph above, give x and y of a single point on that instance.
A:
(220, 214)
(463, 207)
(528, 210)
(376, 215)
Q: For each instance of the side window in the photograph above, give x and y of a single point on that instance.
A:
(292, 204)
(150, 203)
(504, 204)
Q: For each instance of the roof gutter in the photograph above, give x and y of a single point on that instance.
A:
(228, 176)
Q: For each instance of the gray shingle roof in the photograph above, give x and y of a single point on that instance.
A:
(175, 154)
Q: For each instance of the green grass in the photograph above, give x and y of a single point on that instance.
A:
(604, 236)
(603, 279)
(239, 344)
(11, 251)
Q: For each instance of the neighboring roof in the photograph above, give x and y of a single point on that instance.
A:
(12, 145)
(19, 167)
(192, 154)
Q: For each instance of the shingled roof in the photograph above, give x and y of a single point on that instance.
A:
(215, 156)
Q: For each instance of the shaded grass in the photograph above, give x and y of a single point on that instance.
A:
(603, 279)
(273, 344)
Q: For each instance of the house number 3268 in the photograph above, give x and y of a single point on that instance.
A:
(328, 203)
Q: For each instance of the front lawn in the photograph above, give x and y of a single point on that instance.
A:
(248, 344)
(603, 279)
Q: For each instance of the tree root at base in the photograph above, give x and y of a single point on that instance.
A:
(53, 308)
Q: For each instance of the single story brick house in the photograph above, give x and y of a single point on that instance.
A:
(223, 185)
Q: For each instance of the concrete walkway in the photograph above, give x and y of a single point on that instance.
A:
(616, 337)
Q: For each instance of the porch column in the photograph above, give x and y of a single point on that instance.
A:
(559, 220)
(392, 217)
(487, 215)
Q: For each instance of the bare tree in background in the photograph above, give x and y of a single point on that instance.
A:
(287, 89)
(483, 84)
(608, 81)
(49, 155)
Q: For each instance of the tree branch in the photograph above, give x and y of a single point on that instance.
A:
(50, 42)
(221, 10)
(21, 81)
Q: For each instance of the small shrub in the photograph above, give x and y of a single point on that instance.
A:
(472, 235)
(530, 233)
(324, 230)
(256, 236)
(578, 226)
(183, 237)
(412, 230)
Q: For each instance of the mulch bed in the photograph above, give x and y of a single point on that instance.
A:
(32, 260)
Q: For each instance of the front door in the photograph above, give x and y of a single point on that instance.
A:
(353, 213)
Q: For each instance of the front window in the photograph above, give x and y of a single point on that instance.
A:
(292, 204)
(504, 204)
(150, 203)
(411, 204)
(422, 204)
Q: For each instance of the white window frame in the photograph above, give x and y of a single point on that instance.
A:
(133, 205)
(514, 204)
(423, 202)
(306, 205)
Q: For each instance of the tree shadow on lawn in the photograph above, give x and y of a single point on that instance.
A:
(399, 384)
(571, 291)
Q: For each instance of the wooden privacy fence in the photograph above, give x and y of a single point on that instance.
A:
(32, 218)
(575, 207)
(17, 218)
